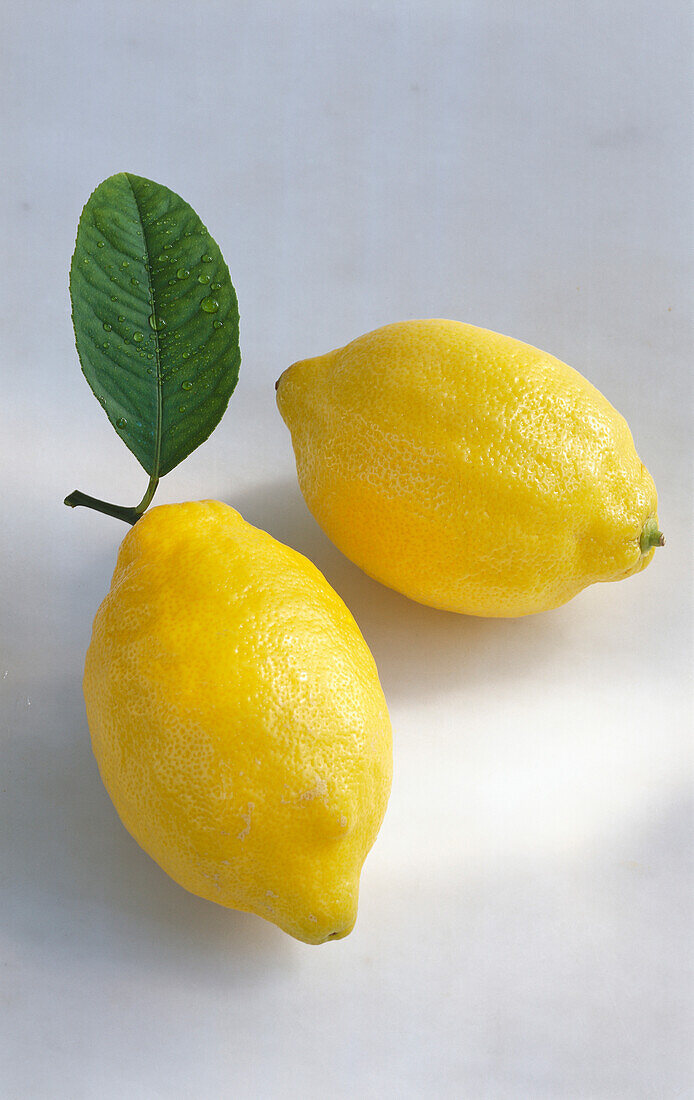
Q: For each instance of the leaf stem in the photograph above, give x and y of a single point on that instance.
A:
(147, 498)
(118, 511)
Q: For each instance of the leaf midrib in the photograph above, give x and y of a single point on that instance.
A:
(157, 357)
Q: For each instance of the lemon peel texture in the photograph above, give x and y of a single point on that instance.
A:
(468, 470)
(237, 719)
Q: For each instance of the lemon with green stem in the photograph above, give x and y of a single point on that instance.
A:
(234, 707)
(237, 719)
(468, 470)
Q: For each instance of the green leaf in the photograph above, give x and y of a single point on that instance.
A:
(156, 319)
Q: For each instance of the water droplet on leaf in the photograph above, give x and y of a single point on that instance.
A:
(186, 355)
(209, 305)
(206, 259)
(218, 324)
(99, 244)
(134, 281)
(186, 385)
(203, 278)
(157, 323)
(137, 337)
(216, 286)
(182, 273)
(107, 327)
(121, 422)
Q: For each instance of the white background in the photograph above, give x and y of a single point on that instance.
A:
(526, 913)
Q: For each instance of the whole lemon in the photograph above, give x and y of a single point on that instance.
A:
(468, 470)
(237, 719)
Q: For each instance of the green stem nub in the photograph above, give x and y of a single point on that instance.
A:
(651, 536)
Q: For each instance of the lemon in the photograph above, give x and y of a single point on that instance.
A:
(237, 719)
(468, 470)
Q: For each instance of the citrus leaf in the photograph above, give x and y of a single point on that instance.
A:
(156, 319)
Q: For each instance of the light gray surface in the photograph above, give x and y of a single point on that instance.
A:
(526, 913)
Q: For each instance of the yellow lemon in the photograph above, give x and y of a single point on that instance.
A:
(237, 719)
(468, 470)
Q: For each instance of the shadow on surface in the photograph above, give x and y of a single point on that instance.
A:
(419, 651)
